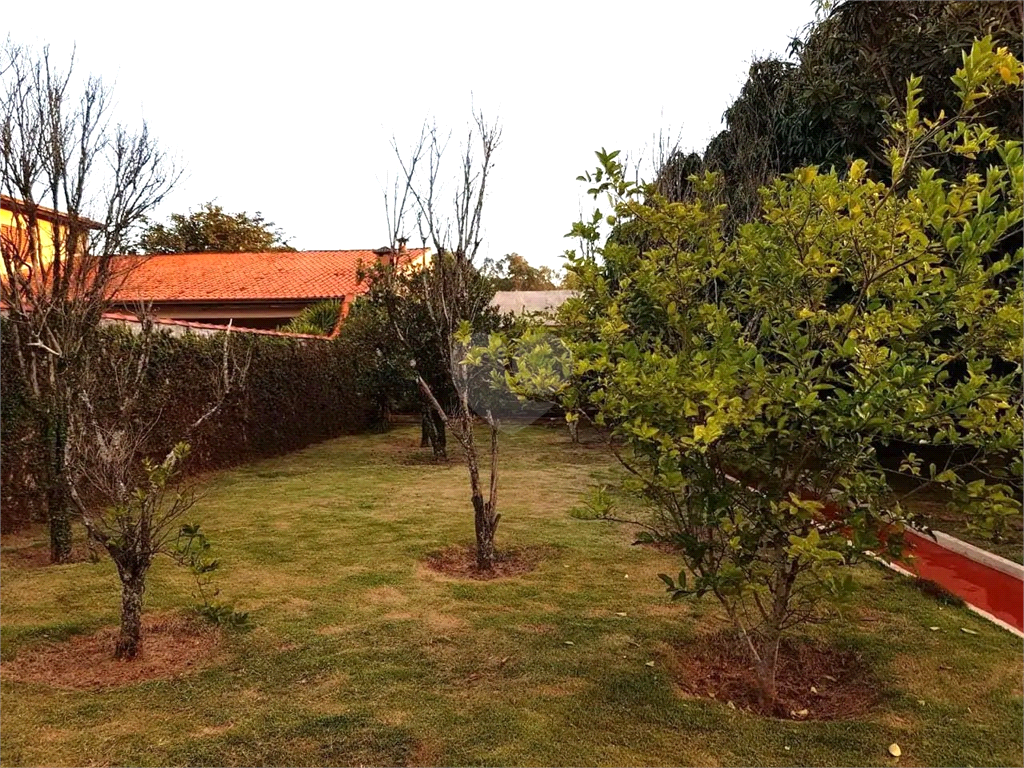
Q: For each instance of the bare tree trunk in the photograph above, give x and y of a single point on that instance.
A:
(574, 432)
(383, 420)
(58, 503)
(766, 667)
(438, 439)
(432, 431)
(485, 517)
(425, 425)
(762, 646)
(129, 641)
(484, 534)
(59, 513)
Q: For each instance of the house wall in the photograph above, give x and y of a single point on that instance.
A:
(13, 229)
(264, 316)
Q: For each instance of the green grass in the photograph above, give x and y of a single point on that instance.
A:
(360, 655)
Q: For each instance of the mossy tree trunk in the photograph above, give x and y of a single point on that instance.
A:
(58, 501)
(133, 586)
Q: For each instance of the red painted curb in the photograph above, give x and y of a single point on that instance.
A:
(985, 588)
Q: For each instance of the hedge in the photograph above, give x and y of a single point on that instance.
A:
(297, 392)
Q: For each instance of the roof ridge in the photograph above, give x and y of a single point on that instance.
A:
(253, 253)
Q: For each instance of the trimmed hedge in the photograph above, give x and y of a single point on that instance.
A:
(297, 392)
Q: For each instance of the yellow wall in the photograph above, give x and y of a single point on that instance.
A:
(11, 224)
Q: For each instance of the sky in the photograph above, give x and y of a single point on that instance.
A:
(290, 108)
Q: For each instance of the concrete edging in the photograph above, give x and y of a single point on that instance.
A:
(971, 552)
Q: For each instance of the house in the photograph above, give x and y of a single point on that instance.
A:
(543, 304)
(16, 217)
(252, 290)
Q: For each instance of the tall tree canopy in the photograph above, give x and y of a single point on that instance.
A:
(830, 101)
(210, 229)
(513, 272)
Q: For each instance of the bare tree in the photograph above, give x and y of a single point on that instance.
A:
(130, 504)
(452, 226)
(63, 157)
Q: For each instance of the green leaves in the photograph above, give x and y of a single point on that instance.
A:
(749, 384)
(677, 588)
(985, 70)
(192, 549)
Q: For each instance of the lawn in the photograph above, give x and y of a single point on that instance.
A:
(360, 654)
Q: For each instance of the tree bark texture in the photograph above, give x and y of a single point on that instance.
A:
(485, 527)
(425, 426)
(485, 517)
(432, 432)
(129, 640)
(58, 502)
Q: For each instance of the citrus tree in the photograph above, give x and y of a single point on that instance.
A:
(748, 384)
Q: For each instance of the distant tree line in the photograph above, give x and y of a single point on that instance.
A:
(830, 100)
(211, 229)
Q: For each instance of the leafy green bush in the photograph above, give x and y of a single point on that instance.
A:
(318, 319)
(193, 550)
(297, 392)
(748, 382)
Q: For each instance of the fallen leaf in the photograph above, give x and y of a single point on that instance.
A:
(800, 713)
(569, 642)
(921, 702)
(730, 705)
(649, 664)
(813, 689)
(894, 749)
(786, 748)
(620, 614)
(626, 576)
(829, 677)
(967, 631)
(934, 629)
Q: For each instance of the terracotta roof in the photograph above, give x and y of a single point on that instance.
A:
(281, 275)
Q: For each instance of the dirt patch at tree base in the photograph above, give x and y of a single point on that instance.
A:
(172, 646)
(813, 682)
(460, 561)
(425, 459)
(39, 556)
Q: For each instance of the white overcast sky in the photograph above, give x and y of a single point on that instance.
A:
(289, 108)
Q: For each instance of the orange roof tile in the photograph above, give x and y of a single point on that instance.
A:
(267, 276)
